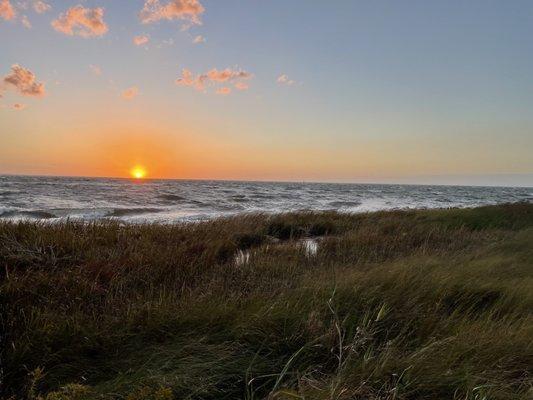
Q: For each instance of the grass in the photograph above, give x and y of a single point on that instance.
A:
(394, 305)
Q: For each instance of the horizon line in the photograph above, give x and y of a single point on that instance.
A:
(333, 182)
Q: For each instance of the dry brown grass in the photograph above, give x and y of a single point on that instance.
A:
(395, 305)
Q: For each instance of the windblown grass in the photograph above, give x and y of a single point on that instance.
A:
(395, 305)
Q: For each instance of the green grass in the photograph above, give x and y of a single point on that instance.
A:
(395, 305)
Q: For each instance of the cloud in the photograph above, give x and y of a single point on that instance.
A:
(140, 40)
(95, 69)
(187, 10)
(26, 22)
(241, 86)
(7, 11)
(41, 7)
(212, 77)
(167, 42)
(198, 39)
(227, 75)
(130, 93)
(81, 21)
(19, 106)
(188, 79)
(224, 90)
(284, 80)
(23, 80)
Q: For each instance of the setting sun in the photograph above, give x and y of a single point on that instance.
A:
(138, 172)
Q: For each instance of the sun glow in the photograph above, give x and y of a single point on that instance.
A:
(138, 172)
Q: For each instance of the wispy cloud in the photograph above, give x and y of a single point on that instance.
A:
(140, 40)
(241, 86)
(26, 22)
(212, 77)
(224, 90)
(198, 39)
(188, 79)
(19, 106)
(168, 42)
(284, 80)
(130, 93)
(227, 75)
(41, 7)
(81, 21)
(7, 11)
(23, 81)
(187, 10)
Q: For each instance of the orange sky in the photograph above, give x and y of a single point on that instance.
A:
(211, 91)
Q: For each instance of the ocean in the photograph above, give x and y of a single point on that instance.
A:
(59, 198)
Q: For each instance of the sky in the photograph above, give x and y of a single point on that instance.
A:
(299, 90)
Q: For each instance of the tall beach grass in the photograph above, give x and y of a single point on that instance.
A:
(429, 304)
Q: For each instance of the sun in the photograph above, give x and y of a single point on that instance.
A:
(138, 172)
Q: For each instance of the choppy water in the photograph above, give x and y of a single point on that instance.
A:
(54, 198)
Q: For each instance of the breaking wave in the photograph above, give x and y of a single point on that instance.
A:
(344, 204)
(125, 212)
(55, 199)
(35, 214)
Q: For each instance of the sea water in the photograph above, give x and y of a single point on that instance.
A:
(59, 198)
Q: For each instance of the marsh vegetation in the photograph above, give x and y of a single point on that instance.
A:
(392, 305)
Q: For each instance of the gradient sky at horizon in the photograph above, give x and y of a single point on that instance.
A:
(379, 91)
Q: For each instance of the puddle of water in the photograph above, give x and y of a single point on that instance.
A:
(310, 247)
(242, 258)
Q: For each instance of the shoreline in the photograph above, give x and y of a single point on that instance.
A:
(128, 215)
(160, 201)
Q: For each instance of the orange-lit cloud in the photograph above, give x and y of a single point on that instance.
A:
(19, 106)
(41, 7)
(130, 93)
(7, 11)
(284, 80)
(224, 90)
(81, 21)
(188, 79)
(241, 86)
(140, 40)
(227, 75)
(198, 39)
(23, 80)
(212, 77)
(187, 10)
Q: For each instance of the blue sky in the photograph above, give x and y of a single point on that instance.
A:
(383, 91)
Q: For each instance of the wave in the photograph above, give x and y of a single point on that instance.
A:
(126, 212)
(240, 198)
(171, 197)
(52, 199)
(344, 204)
(38, 214)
